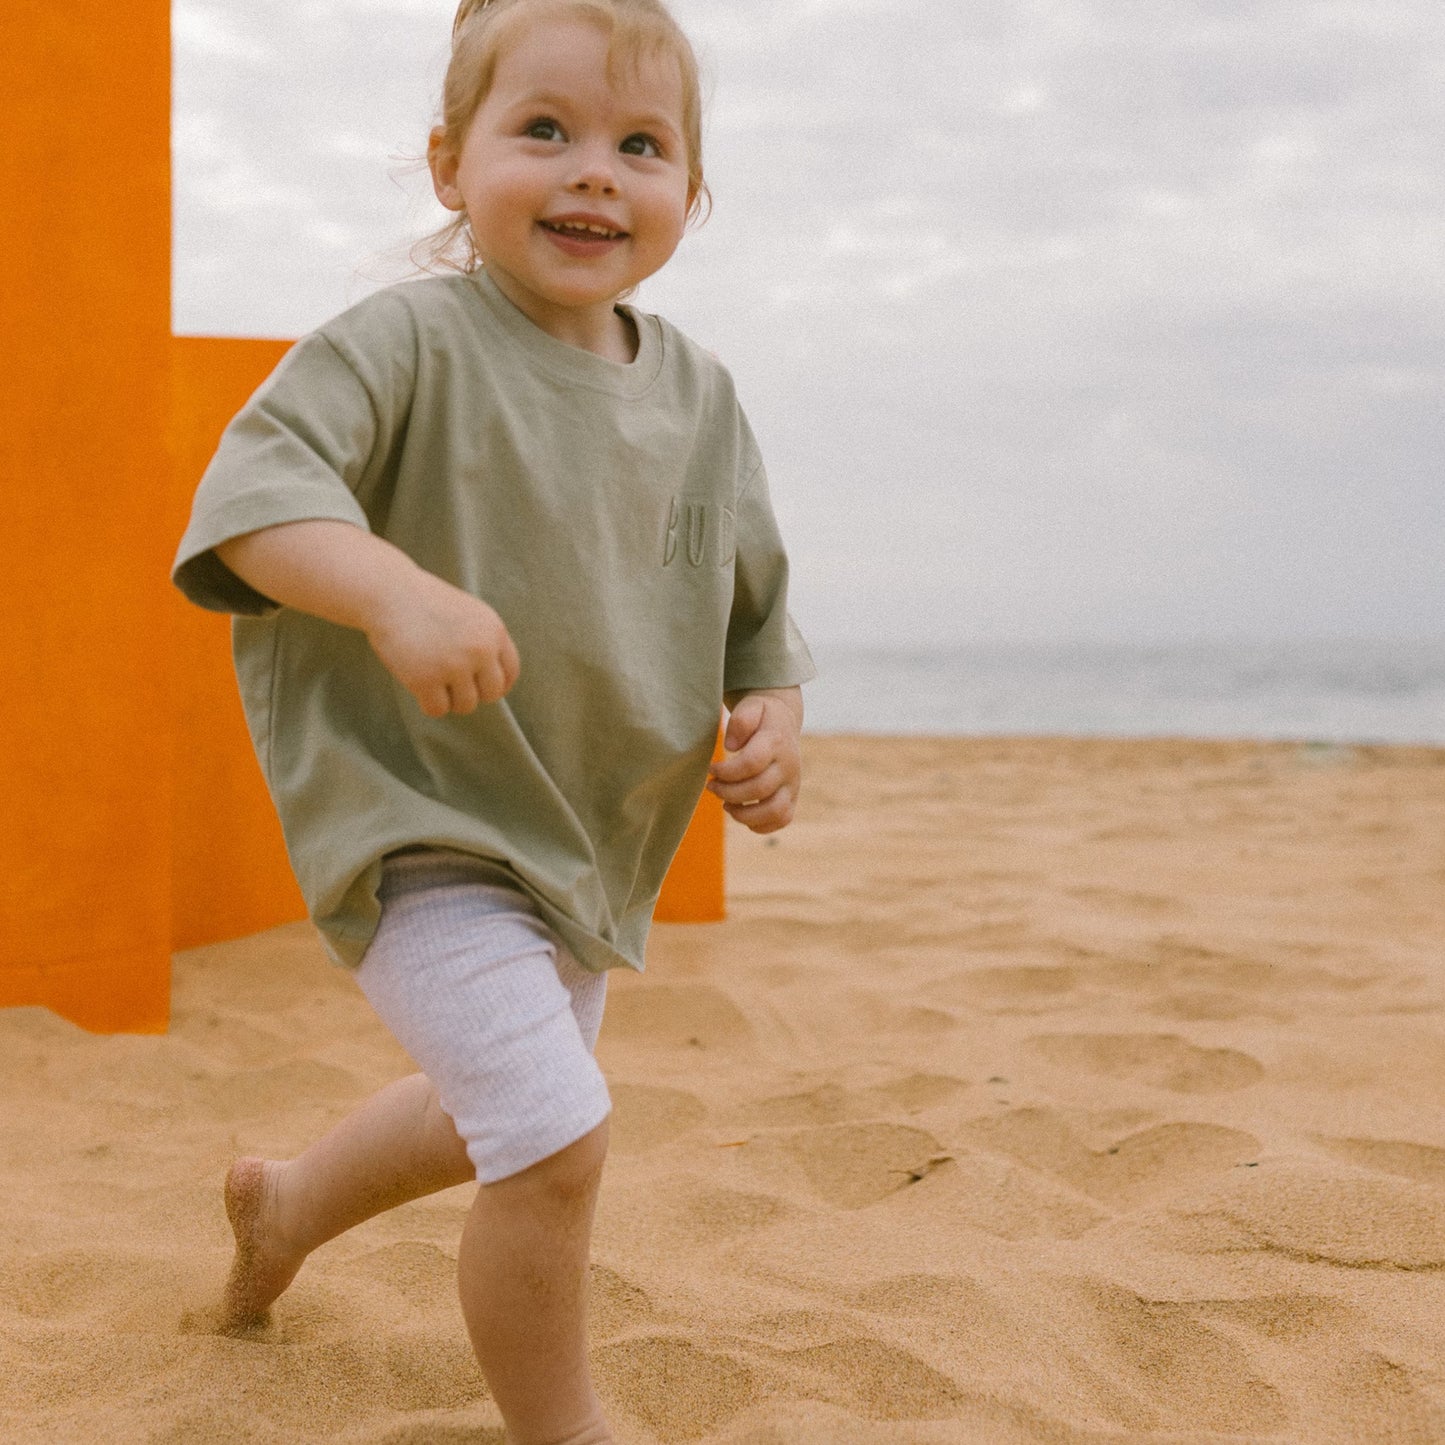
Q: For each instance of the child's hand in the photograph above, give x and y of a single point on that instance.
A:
(447, 648)
(758, 781)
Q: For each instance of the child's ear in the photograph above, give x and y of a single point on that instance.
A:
(442, 160)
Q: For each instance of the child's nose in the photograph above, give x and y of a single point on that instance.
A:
(595, 171)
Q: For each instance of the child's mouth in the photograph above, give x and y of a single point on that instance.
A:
(583, 231)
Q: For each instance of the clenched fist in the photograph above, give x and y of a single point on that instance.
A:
(450, 650)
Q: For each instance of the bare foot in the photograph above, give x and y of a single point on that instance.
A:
(263, 1265)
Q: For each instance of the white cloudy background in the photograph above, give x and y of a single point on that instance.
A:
(1083, 319)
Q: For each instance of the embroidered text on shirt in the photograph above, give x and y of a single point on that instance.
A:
(707, 529)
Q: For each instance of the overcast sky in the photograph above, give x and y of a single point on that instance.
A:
(1056, 319)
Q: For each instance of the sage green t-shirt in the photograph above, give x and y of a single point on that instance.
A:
(616, 516)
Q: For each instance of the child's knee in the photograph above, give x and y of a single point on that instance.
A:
(572, 1173)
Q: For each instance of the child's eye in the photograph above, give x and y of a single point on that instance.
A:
(544, 128)
(640, 145)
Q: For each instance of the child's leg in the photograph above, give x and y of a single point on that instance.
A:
(480, 993)
(399, 1145)
(522, 1278)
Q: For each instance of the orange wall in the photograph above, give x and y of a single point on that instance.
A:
(85, 317)
(229, 863)
(695, 890)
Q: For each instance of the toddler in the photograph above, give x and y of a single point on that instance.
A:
(499, 545)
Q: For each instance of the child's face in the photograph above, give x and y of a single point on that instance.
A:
(576, 188)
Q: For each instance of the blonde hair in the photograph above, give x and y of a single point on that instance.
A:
(636, 29)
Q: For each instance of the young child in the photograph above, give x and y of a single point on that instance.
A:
(499, 547)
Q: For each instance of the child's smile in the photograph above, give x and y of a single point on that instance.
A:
(583, 235)
(574, 178)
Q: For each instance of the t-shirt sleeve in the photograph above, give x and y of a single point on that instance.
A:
(764, 647)
(295, 452)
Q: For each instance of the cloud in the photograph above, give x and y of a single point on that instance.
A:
(1054, 318)
(200, 33)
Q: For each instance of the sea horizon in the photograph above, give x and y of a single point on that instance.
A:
(1326, 691)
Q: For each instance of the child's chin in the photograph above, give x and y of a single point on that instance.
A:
(579, 298)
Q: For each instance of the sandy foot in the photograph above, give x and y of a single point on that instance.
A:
(262, 1267)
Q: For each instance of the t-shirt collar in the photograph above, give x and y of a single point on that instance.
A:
(572, 363)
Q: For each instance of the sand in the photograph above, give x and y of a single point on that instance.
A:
(1034, 1091)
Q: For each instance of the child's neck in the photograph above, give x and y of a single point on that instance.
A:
(611, 334)
(604, 329)
(625, 336)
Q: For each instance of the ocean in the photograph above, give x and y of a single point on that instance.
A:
(1324, 692)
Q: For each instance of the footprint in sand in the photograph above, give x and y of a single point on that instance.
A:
(946, 1296)
(675, 1015)
(873, 1379)
(1138, 1167)
(1203, 1005)
(421, 1273)
(1163, 1061)
(1002, 1197)
(875, 1013)
(1069, 1346)
(1177, 960)
(1128, 900)
(430, 1368)
(1376, 1398)
(74, 1283)
(1314, 1215)
(1423, 1163)
(1194, 981)
(1285, 1317)
(713, 1214)
(255, 1093)
(615, 1304)
(680, 1392)
(1008, 988)
(827, 1104)
(855, 1165)
(796, 1329)
(914, 1092)
(348, 1363)
(432, 1432)
(683, 1392)
(1161, 1355)
(831, 1103)
(646, 1116)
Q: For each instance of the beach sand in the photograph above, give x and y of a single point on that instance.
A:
(1035, 1090)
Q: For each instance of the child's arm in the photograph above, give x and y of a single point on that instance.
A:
(758, 781)
(447, 648)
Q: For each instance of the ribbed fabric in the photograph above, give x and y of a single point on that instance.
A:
(490, 1005)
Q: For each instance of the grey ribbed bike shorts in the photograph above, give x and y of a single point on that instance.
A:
(490, 1005)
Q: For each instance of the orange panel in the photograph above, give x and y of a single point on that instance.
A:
(694, 890)
(231, 872)
(84, 310)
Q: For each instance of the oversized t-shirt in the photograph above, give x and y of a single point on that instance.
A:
(616, 517)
